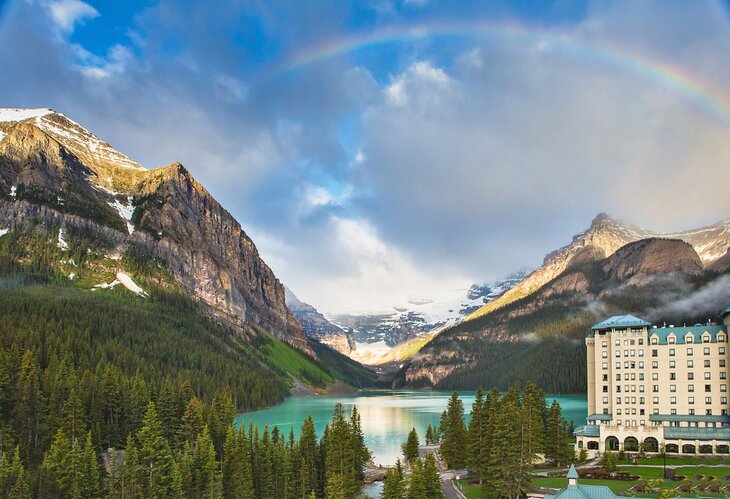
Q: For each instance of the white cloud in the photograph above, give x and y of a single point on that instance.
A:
(66, 14)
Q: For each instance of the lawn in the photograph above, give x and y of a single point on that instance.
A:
(559, 482)
(678, 461)
(690, 472)
(471, 491)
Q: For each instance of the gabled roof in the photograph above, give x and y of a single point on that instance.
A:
(585, 492)
(621, 321)
(680, 333)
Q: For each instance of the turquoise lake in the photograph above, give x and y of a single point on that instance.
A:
(387, 417)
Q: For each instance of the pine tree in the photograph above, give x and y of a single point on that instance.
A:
(222, 412)
(557, 439)
(533, 408)
(429, 435)
(90, 484)
(193, 421)
(505, 476)
(340, 454)
(58, 465)
(360, 451)
(156, 463)
(166, 410)
(394, 483)
(478, 436)
(205, 467)
(13, 483)
(410, 447)
(416, 485)
(309, 458)
(431, 477)
(28, 407)
(454, 440)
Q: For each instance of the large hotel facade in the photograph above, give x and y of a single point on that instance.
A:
(655, 387)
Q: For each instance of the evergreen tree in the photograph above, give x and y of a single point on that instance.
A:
(410, 447)
(533, 408)
(222, 412)
(308, 459)
(59, 466)
(416, 485)
(454, 440)
(28, 407)
(155, 459)
(505, 475)
(429, 435)
(340, 457)
(478, 436)
(13, 483)
(90, 485)
(193, 420)
(431, 477)
(361, 454)
(557, 439)
(394, 483)
(166, 410)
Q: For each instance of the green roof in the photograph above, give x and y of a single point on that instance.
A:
(589, 430)
(683, 432)
(663, 333)
(689, 417)
(600, 417)
(621, 321)
(572, 473)
(585, 492)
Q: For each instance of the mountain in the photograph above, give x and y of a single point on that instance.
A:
(57, 176)
(535, 330)
(388, 337)
(317, 327)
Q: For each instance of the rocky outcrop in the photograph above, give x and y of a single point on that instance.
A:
(635, 262)
(53, 173)
(317, 327)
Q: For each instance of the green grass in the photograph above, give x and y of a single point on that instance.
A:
(471, 491)
(559, 482)
(691, 472)
(676, 461)
(295, 362)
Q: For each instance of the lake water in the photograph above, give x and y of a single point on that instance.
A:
(387, 417)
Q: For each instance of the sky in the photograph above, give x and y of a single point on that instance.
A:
(386, 151)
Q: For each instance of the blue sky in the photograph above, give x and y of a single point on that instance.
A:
(378, 151)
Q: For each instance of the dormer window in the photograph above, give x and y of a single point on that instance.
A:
(671, 339)
(721, 338)
(705, 338)
(654, 340)
(689, 338)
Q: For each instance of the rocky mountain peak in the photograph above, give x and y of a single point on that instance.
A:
(654, 256)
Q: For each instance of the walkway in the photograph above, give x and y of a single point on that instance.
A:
(448, 487)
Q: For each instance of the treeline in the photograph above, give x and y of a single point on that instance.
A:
(200, 456)
(507, 433)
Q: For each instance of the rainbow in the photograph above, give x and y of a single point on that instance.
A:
(710, 99)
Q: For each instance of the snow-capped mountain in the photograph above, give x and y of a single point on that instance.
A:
(375, 335)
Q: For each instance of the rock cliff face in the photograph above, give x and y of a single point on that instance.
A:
(635, 262)
(54, 171)
(317, 327)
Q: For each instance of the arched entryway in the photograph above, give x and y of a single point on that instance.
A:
(651, 444)
(592, 445)
(611, 443)
(631, 444)
(671, 448)
(705, 449)
(722, 449)
(689, 449)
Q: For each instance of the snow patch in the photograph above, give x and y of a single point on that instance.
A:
(3, 232)
(11, 114)
(128, 283)
(61, 241)
(106, 286)
(125, 211)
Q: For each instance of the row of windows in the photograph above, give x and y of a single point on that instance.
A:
(672, 365)
(672, 388)
(671, 340)
(708, 412)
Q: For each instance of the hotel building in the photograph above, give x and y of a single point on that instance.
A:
(652, 386)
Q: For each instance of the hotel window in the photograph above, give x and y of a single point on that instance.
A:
(604, 365)
(723, 400)
(641, 353)
(708, 400)
(641, 340)
(673, 412)
(618, 365)
(653, 341)
(722, 350)
(706, 339)
(655, 376)
(618, 353)
(691, 412)
(632, 365)
(707, 363)
(672, 364)
(642, 401)
(654, 364)
(632, 353)
(626, 342)
(708, 412)
(689, 339)
(690, 376)
(641, 364)
(618, 389)
(604, 344)
(633, 376)
(722, 362)
(655, 388)
(672, 388)
(626, 365)
(673, 400)
(618, 376)
(618, 400)
(618, 412)
(690, 388)
(605, 400)
(641, 376)
(690, 363)
(672, 376)
(723, 375)
(724, 413)
(691, 400)
(626, 353)
(618, 343)
(671, 352)
(706, 351)
(670, 340)
(605, 388)
(690, 351)
(655, 400)
(721, 339)
(655, 353)
(708, 388)
(626, 400)
(604, 354)
(723, 388)
(708, 376)
(641, 388)
(605, 377)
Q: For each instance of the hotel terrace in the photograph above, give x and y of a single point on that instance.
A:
(651, 387)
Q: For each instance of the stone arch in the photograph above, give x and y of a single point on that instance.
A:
(611, 443)
(705, 449)
(689, 449)
(592, 445)
(722, 449)
(631, 444)
(651, 444)
(671, 448)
